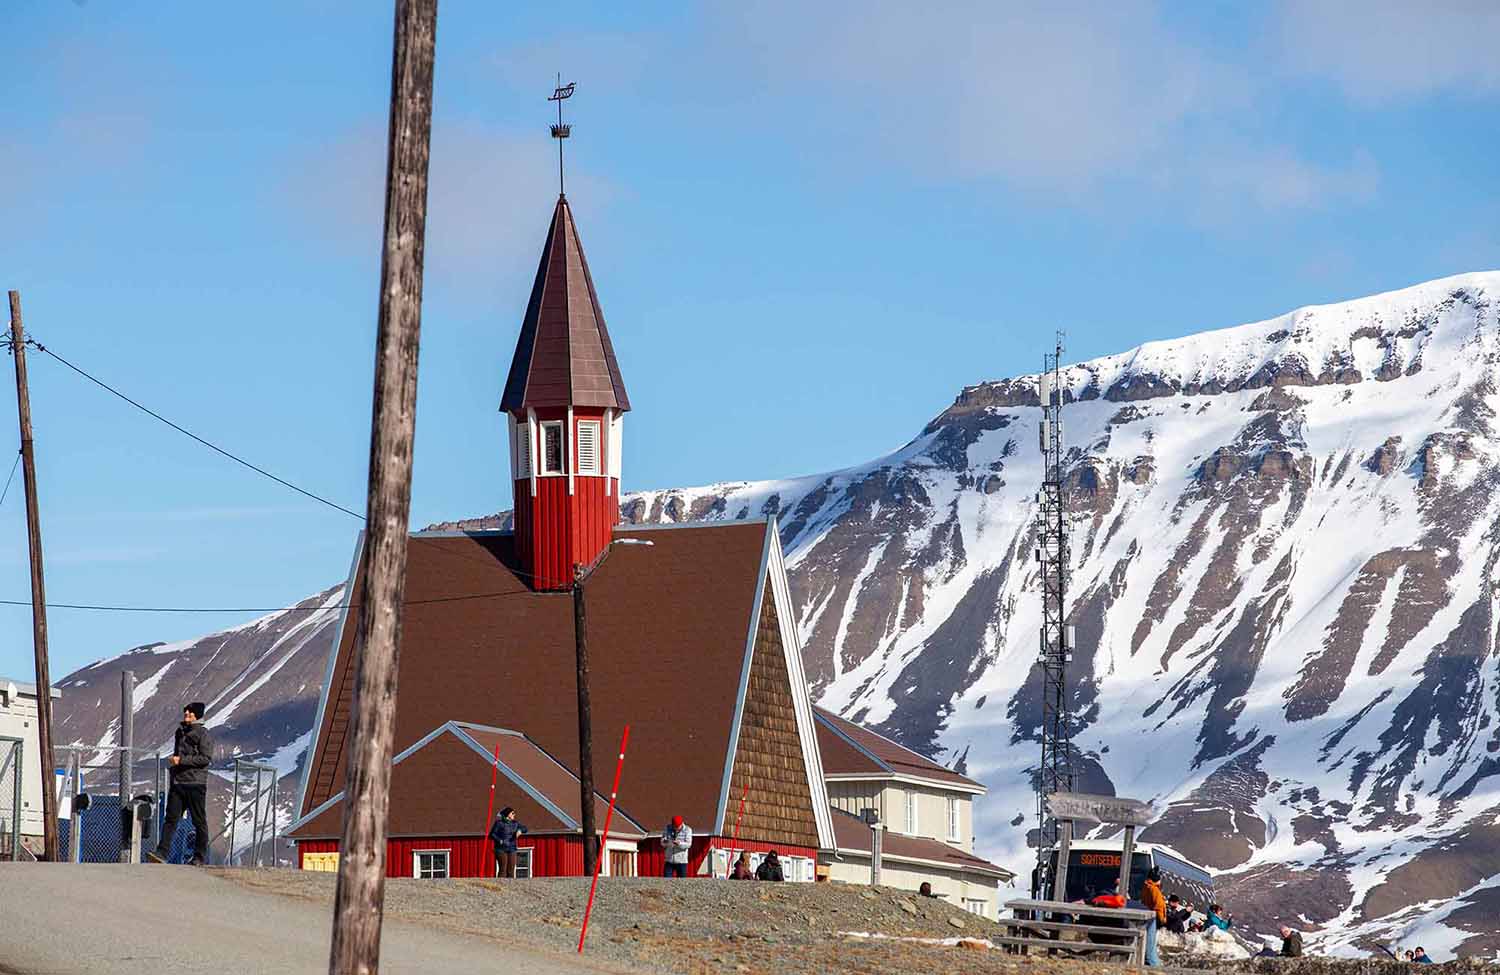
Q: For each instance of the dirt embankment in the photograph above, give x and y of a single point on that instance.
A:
(701, 926)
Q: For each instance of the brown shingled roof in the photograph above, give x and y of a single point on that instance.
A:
(851, 749)
(668, 628)
(853, 835)
(441, 787)
(563, 355)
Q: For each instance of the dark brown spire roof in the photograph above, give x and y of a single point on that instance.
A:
(564, 356)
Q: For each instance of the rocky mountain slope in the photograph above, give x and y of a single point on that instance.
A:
(1283, 540)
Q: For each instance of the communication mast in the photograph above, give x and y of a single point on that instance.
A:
(1056, 771)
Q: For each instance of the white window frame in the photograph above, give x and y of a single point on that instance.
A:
(911, 812)
(954, 824)
(977, 905)
(593, 469)
(523, 863)
(416, 864)
(562, 448)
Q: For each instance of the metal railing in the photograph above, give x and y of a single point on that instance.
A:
(252, 815)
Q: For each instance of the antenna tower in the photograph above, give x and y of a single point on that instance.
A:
(1056, 772)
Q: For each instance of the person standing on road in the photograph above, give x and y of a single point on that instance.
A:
(192, 750)
(676, 843)
(503, 835)
(1153, 900)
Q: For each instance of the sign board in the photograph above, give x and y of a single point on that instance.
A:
(1113, 810)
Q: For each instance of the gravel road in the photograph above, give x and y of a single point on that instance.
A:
(106, 919)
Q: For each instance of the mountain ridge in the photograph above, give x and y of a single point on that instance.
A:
(1284, 535)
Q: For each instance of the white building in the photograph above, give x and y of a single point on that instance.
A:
(18, 720)
(926, 813)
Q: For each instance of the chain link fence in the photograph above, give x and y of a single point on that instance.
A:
(10, 800)
(89, 809)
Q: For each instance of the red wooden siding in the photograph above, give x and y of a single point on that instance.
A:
(650, 861)
(552, 856)
(555, 530)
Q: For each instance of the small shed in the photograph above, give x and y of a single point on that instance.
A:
(440, 794)
(18, 720)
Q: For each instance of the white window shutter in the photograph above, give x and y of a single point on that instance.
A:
(521, 454)
(588, 447)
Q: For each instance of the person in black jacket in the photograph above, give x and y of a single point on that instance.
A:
(1178, 914)
(503, 835)
(192, 751)
(770, 868)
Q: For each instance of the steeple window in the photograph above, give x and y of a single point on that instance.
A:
(552, 452)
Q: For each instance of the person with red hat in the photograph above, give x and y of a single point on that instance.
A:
(676, 843)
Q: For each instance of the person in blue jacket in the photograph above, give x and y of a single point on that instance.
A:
(503, 835)
(1218, 919)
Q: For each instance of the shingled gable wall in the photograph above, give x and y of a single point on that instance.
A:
(779, 804)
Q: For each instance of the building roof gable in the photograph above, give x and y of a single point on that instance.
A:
(853, 749)
(668, 630)
(441, 780)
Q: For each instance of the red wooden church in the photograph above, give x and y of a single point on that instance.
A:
(692, 642)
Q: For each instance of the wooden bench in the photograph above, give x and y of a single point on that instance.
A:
(1028, 928)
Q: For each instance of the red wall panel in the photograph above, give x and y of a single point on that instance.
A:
(552, 856)
(556, 530)
(650, 861)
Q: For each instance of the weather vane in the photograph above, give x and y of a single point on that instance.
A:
(561, 131)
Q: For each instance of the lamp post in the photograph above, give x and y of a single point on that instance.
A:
(581, 574)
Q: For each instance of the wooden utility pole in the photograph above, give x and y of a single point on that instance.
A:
(359, 901)
(585, 724)
(38, 589)
(127, 752)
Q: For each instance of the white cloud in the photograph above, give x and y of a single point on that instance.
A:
(489, 197)
(1382, 50)
(1088, 104)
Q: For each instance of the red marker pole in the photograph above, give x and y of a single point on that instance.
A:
(490, 812)
(599, 861)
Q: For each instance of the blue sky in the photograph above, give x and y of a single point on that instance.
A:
(810, 226)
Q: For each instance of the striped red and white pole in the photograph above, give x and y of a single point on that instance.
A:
(490, 812)
(604, 842)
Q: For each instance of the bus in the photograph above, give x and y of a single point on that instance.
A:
(1094, 869)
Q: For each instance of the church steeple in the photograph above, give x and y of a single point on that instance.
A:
(565, 401)
(564, 356)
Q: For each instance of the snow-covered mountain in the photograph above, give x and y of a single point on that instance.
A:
(1283, 536)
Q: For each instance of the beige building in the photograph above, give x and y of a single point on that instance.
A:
(18, 720)
(925, 812)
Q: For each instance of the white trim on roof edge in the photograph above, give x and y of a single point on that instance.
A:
(942, 784)
(739, 698)
(489, 759)
(396, 760)
(333, 656)
(791, 645)
(459, 730)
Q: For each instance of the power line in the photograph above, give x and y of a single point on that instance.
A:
(101, 608)
(188, 433)
(14, 464)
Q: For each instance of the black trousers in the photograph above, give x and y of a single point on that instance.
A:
(194, 800)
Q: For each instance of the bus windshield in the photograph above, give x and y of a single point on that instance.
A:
(1095, 872)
